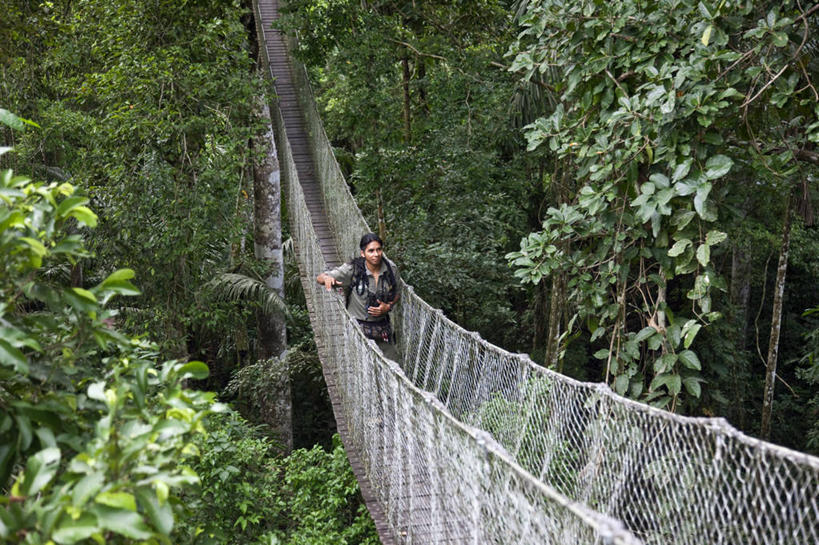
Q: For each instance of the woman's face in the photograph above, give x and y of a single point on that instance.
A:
(372, 253)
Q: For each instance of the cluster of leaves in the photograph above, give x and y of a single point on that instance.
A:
(95, 432)
(250, 495)
(148, 105)
(324, 502)
(649, 98)
(238, 499)
(100, 442)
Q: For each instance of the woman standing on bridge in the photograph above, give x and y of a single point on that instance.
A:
(370, 284)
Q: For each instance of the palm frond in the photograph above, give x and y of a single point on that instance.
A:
(239, 287)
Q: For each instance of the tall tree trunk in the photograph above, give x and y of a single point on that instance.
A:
(776, 323)
(558, 302)
(557, 305)
(406, 87)
(76, 275)
(268, 249)
(539, 310)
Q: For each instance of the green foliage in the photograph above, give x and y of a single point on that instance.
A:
(650, 96)
(249, 495)
(95, 432)
(325, 505)
(147, 105)
(252, 389)
(809, 372)
(238, 499)
(237, 287)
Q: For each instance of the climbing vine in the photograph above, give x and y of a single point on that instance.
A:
(662, 110)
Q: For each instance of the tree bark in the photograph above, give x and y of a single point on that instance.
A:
(539, 310)
(776, 323)
(76, 275)
(557, 300)
(422, 86)
(557, 304)
(268, 249)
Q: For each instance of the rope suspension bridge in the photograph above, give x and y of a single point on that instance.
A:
(463, 442)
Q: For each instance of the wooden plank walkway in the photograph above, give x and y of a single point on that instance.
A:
(266, 11)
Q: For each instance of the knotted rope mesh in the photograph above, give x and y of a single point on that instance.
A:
(465, 442)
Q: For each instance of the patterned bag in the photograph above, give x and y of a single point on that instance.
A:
(377, 331)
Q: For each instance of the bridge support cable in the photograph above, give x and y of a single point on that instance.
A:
(464, 442)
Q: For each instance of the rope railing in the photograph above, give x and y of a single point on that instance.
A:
(466, 442)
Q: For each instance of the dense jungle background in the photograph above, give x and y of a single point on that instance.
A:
(623, 190)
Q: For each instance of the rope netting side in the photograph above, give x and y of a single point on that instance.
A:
(670, 479)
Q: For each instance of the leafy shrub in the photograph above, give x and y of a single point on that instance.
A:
(95, 432)
(249, 495)
(325, 503)
(238, 499)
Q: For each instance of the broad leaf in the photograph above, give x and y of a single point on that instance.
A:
(194, 369)
(70, 531)
(40, 469)
(122, 521)
(11, 356)
(690, 360)
(717, 166)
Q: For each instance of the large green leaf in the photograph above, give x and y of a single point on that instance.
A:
(40, 470)
(84, 215)
(159, 513)
(11, 356)
(690, 360)
(692, 386)
(70, 531)
(194, 369)
(119, 500)
(10, 120)
(717, 166)
(87, 487)
(67, 205)
(122, 521)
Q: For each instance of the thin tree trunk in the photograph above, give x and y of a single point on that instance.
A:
(76, 275)
(662, 297)
(557, 300)
(557, 303)
(539, 310)
(406, 87)
(268, 249)
(776, 323)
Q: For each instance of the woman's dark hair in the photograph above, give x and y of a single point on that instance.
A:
(359, 281)
(367, 238)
